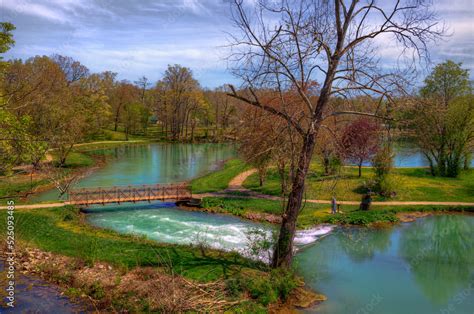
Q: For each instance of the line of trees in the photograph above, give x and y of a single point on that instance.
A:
(54, 102)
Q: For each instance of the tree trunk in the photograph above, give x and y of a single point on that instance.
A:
(360, 169)
(116, 122)
(281, 172)
(326, 162)
(283, 253)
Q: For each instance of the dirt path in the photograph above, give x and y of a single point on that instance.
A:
(236, 183)
(33, 206)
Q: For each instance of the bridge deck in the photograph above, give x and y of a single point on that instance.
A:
(122, 194)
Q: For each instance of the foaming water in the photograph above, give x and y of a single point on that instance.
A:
(309, 236)
(164, 222)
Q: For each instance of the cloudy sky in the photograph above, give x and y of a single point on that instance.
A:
(136, 38)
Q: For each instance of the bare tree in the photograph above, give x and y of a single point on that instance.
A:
(63, 179)
(291, 44)
(73, 70)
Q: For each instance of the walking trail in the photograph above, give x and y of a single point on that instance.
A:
(237, 190)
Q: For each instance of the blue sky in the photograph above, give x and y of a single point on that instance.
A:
(136, 38)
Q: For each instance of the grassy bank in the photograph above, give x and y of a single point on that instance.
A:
(85, 155)
(411, 184)
(22, 182)
(63, 231)
(313, 214)
(218, 180)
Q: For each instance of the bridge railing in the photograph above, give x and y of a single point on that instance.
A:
(136, 193)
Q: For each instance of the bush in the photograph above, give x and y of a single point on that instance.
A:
(277, 285)
(363, 217)
(284, 281)
(262, 289)
(382, 163)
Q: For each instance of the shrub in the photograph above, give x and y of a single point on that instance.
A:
(284, 281)
(362, 217)
(265, 289)
(382, 165)
(262, 289)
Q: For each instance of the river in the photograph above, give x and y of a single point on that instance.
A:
(426, 266)
(421, 267)
(33, 295)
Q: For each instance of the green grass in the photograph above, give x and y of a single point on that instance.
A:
(218, 180)
(62, 231)
(412, 184)
(313, 214)
(240, 206)
(78, 160)
(18, 185)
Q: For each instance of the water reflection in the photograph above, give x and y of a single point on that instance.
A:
(446, 244)
(362, 244)
(152, 163)
(425, 267)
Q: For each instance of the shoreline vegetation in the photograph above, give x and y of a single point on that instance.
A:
(58, 245)
(84, 264)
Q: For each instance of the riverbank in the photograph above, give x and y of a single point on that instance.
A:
(410, 185)
(84, 159)
(126, 272)
(243, 199)
(312, 214)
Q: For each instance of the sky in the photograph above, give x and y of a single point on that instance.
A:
(136, 38)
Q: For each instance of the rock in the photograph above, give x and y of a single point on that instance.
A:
(304, 298)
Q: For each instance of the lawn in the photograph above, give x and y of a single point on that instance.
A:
(313, 214)
(218, 180)
(63, 231)
(412, 184)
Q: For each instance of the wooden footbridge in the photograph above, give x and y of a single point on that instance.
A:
(122, 194)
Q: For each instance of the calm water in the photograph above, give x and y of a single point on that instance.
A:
(421, 267)
(152, 163)
(34, 295)
(409, 156)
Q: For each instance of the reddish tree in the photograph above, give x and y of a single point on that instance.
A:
(360, 141)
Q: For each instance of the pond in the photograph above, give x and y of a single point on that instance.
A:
(168, 163)
(152, 163)
(422, 267)
(408, 155)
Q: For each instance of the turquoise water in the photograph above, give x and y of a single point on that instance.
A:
(164, 222)
(422, 267)
(406, 155)
(152, 163)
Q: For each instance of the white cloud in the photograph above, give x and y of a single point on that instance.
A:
(33, 9)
